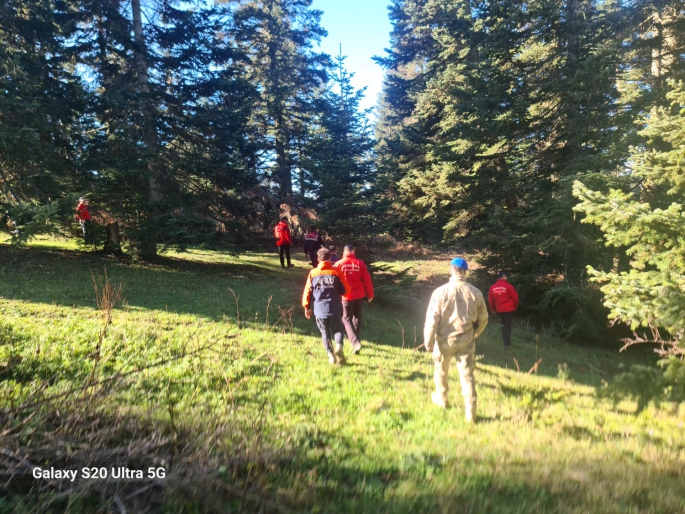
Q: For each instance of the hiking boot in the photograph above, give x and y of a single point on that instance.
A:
(331, 358)
(339, 354)
(439, 400)
(291, 265)
(356, 348)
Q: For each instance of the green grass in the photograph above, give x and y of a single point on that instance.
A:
(259, 409)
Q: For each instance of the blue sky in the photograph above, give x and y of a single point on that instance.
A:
(363, 28)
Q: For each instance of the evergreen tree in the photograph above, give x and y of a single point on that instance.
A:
(400, 139)
(513, 100)
(648, 219)
(278, 36)
(168, 121)
(339, 158)
(41, 102)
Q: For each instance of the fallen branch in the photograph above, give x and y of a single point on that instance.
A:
(535, 367)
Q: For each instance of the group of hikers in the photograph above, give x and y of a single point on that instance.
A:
(336, 291)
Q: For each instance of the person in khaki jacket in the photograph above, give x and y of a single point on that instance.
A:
(456, 316)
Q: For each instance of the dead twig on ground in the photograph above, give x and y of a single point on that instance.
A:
(237, 307)
(400, 324)
(535, 367)
(268, 304)
(106, 297)
(286, 319)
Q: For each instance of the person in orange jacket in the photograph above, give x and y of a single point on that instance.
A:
(283, 240)
(357, 274)
(323, 295)
(504, 300)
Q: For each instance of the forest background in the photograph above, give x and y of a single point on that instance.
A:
(547, 136)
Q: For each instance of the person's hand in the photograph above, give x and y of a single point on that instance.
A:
(308, 313)
(370, 300)
(428, 347)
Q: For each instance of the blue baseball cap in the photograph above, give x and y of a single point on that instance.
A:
(459, 263)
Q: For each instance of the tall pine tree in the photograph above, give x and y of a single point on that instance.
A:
(278, 38)
(339, 158)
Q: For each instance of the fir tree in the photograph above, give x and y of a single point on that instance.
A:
(278, 36)
(647, 219)
(513, 101)
(339, 158)
(168, 121)
(41, 104)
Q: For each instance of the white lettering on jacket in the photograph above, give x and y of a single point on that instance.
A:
(350, 268)
(327, 280)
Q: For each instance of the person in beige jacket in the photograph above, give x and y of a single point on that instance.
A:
(456, 316)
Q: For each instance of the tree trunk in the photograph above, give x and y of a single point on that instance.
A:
(276, 107)
(147, 244)
(665, 44)
(472, 56)
(572, 30)
(283, 172)
(510, 198)
(113, 244)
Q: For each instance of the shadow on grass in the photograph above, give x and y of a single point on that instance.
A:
(434, 482)
(188, 286)
(63, 277)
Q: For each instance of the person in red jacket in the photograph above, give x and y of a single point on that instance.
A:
(83, 214)
(504, 300)
(312, 243)
(283, 241)
(357, 275)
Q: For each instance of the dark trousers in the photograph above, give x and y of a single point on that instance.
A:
(506, 318)
(314, 258)
(352, 319)
(331, 330)
(284, 250)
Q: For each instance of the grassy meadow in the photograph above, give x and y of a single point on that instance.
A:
(210, 371)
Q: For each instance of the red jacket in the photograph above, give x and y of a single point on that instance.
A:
(503, 297)
(282, 234)
(82, 212)
(312, 242)
(357, 276)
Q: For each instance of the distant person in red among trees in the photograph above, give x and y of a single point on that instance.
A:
(283, 241)
(312, 243)
(83, 214)
(504, 300)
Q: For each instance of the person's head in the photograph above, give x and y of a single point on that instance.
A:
(324, 254)
(83, 199)
(458, 267)
(348, 250)
(314, 229)
(284, 218)
(332, 249)
(502, 275)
